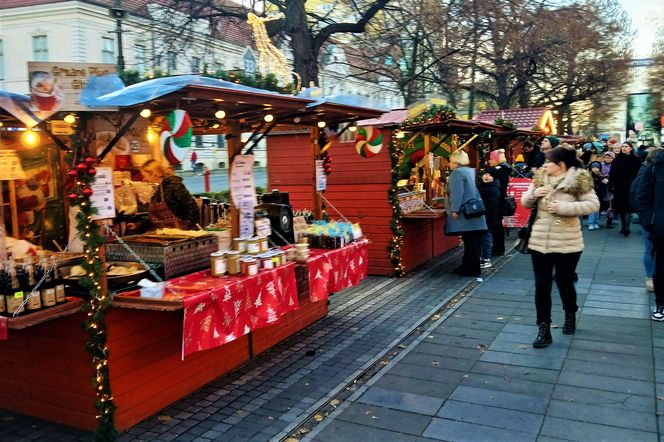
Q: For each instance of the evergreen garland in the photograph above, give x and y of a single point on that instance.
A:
(268, 82)
(433, 114)
(394, 247)
(81, 175)
(507, 124)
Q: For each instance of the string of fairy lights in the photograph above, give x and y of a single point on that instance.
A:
(81, 175)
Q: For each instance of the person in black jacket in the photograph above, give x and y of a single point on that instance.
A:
(533, 156)
(648, 263)
(650, 205)
(491, 196)
(600, 182)
(623, 171)
(500, 170)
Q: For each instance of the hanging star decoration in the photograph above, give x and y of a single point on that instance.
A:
(270, 58)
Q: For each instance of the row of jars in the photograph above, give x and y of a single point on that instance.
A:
(235, 262)
(251, 246)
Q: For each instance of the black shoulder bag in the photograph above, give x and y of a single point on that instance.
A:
(525, 232)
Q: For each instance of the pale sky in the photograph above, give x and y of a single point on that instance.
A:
(644, 14)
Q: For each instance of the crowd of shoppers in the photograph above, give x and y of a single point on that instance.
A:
(569, 184)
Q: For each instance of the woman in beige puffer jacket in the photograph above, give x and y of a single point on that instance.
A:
(563, 191)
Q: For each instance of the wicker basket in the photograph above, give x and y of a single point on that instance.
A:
(178, 256)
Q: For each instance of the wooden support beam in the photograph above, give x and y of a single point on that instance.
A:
(315, 153)
(234, 146)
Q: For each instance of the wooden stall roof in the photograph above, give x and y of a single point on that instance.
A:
(525, 119)
(454, 126)
(393, 118)
(202, 97)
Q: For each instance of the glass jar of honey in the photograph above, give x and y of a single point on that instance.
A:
(233, 262)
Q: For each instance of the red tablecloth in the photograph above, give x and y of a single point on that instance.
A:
(331, 271)
(219, 310)
(3, 328)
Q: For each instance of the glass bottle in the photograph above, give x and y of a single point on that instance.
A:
(47, 289)
(3, 292)
(14, 294)
(34, 300)
(58, 282)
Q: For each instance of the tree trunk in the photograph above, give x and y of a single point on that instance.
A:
(305, 55)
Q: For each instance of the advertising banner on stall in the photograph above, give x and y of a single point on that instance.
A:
(103, 197)
(57, 86)
(516, 188)
(243, 192)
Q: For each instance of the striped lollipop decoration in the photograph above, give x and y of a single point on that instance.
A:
(175, 136)
(368, 141)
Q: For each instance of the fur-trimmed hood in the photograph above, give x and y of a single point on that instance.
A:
(577, 182)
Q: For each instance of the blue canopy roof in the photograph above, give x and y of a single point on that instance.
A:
(109, 91)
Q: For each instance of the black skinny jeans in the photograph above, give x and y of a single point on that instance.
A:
(472, 242)
(625, 220)
(498, 235)
(543, 265)
(658, 274)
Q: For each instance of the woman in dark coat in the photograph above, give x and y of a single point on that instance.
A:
(500, 170)
(650, 205)
(461, 188)
(623, 171)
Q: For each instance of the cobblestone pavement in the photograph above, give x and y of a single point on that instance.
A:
(435, 357)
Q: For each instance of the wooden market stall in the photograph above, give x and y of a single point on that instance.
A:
(358, 187)
(156, 351)
(519, 124)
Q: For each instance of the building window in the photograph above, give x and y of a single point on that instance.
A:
(347, 136)
(39, 48)
(140, 58)
(107, 50)
(171, 62)
(195, 65)
(2, 60)
(249, 63)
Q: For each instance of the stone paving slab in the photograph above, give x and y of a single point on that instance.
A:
(598, 384)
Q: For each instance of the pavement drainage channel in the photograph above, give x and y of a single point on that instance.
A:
(318, 416)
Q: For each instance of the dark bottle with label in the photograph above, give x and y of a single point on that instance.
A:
(29, 281)
(3, 292)
(14, 294)
(58, 282)
(47, 289)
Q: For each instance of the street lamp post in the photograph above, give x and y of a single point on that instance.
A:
(118, 14)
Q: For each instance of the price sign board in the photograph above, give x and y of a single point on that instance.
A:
(103, 196)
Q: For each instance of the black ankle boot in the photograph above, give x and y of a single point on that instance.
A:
(543, 337)
(570, 324)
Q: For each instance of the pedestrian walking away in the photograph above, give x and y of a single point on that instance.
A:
(650, 205)
(563, 191)
(605, 206)
(648, 262)
(601, 183)
(623, 171)
(500, 170)
(490, 191)
(461, 190)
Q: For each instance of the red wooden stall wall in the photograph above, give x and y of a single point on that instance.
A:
(45, 371)
(358, 187)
